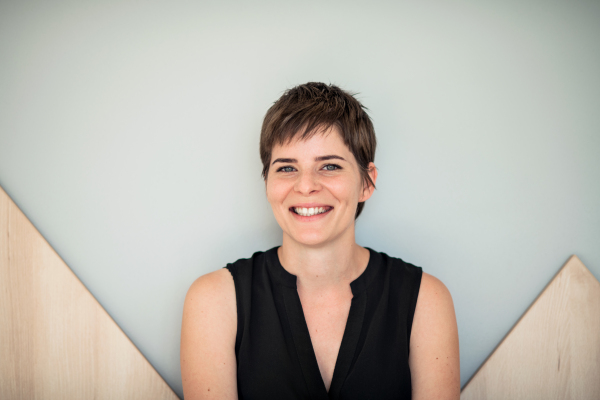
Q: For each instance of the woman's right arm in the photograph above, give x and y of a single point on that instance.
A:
(209, 327)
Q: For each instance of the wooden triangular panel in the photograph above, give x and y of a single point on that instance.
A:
(553, 352)
(56, 340)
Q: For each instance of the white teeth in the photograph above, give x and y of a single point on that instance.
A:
(308, 212)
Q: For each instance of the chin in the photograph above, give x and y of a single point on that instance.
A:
(312, 243)
(310, 238)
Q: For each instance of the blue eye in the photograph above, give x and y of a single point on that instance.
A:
(286, 169)
(331, 167)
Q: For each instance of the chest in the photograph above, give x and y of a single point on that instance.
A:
(326, 318)
(296, 347)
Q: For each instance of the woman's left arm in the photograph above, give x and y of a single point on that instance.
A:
(434, 357)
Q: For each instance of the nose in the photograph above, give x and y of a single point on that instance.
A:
(307, 183)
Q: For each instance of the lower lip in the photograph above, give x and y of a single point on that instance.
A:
(312, 217)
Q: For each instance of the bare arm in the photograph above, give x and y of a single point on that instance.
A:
(434, 357)
(208, 364)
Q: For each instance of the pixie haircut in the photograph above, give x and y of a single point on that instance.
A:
(315, 107)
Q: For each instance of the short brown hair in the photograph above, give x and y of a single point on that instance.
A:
(316, 107)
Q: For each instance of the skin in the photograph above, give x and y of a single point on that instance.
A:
(322, 252)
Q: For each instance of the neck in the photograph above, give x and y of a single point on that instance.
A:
(326, 267)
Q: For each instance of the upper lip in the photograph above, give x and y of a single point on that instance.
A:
(310, 205)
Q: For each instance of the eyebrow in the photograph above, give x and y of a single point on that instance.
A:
(320, 158)
(330, 157)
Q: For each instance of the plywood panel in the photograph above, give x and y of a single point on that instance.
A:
(56, 341)
(553, 352)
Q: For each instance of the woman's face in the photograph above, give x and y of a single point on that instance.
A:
(314, 187)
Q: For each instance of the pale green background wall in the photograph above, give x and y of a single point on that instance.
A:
(129, 136)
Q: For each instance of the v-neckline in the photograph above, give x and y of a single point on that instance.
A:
(301, 335)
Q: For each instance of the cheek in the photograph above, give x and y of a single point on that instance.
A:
(345, 190)
(276, 192)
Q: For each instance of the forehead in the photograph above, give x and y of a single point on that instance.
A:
(319, 143)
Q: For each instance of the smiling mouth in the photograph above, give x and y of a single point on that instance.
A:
(309, 212)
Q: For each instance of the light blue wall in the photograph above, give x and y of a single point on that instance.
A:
(129, 136)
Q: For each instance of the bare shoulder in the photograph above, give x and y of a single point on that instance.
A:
(208, 331)
(434, 353)
(215, 287)
(434, 296)
(211, 301)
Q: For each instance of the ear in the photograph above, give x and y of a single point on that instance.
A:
(368, 188)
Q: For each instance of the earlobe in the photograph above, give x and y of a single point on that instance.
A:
(367, 192)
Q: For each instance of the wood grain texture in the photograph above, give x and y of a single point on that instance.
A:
(56, 340)
(553, 352)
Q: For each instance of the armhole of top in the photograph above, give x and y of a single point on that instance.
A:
(238, 302)
(414, 295)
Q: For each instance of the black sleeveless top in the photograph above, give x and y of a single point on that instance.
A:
(275, 357)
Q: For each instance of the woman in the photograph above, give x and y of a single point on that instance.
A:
(319, 317)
